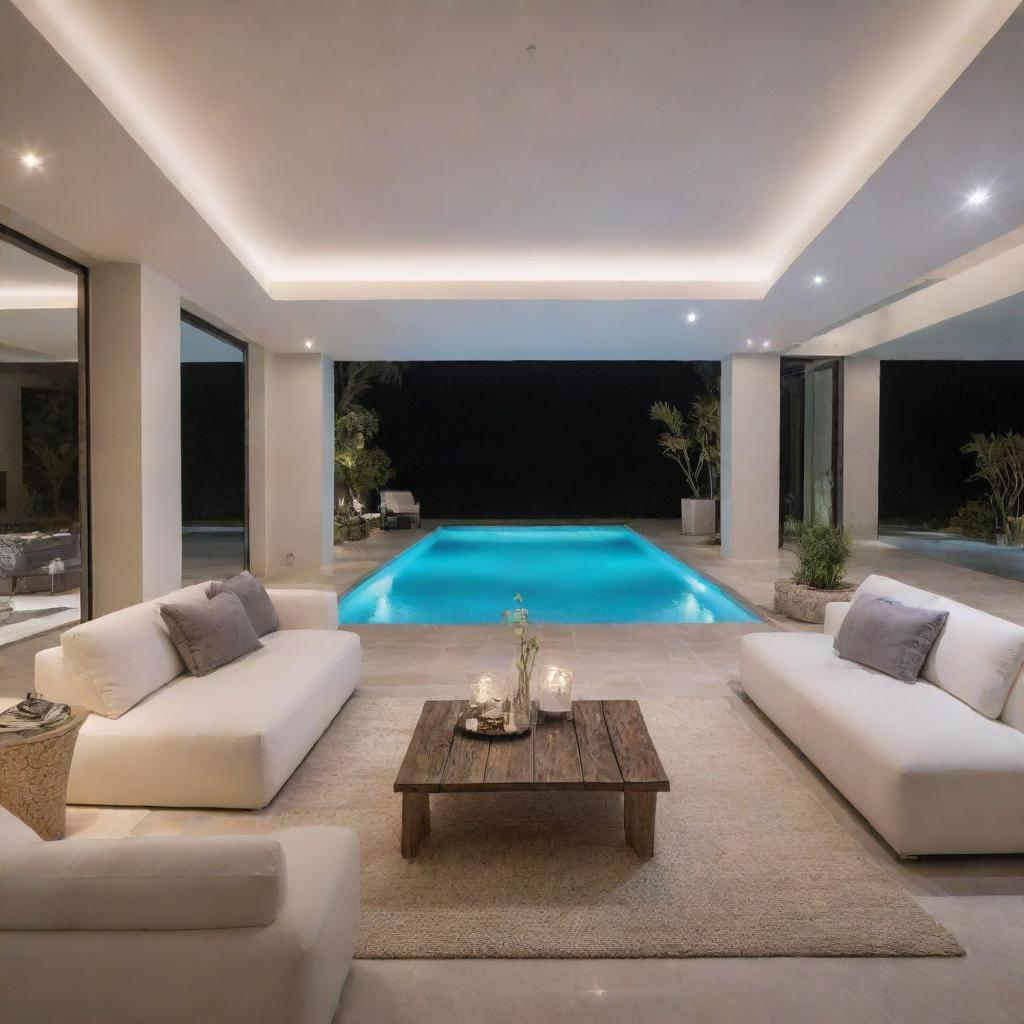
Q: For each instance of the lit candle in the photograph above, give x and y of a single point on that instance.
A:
(555, 692)
(485, 688)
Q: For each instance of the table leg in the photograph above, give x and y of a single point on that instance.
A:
(415, 821)
(638, 811)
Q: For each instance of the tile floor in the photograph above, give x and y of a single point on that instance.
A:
(981, 899)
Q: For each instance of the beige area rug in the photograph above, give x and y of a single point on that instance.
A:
(748, 861)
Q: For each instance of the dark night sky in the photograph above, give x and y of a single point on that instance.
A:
(212, 442)
(928, 410)
(534, 439)
(553, 439)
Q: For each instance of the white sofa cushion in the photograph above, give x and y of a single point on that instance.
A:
(1013, 709)
(14, 832)
(288, 972)
(141, 884)
(977, 656)
(114, 661)
(305, 609)
(228, 739)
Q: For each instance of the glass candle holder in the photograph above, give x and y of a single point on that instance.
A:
(554, 692)
(486, 689)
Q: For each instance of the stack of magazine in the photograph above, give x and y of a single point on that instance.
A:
(33, 714)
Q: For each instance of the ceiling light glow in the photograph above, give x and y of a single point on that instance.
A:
(691, 318)
(766, 344)
(818, 279)
(31, 160)
(308, 343)
(750, 342)
(979, 197)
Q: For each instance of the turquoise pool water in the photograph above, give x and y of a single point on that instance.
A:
(462, 575)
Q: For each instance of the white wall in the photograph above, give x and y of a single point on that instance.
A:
(860, 447)
(135, 409)
(750, 456)
(296, 479)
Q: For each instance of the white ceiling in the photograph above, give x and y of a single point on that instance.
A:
(995, 331)
(28, 282)
(403, 149)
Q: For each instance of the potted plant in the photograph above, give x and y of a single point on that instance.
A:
(692, 442)
(822, 555)
(999, 463)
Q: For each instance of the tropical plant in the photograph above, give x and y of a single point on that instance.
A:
(692, 441)
(976, 519)
(359, 468)
(353, 379)
(55, 461)
(999, 463)
(822, 555)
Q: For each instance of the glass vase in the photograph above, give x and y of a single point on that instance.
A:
(519, 703)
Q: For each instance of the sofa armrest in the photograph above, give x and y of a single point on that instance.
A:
(141, 884)
(835, 612)
(305, 609)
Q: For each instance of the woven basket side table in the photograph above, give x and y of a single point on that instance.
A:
(34, 770)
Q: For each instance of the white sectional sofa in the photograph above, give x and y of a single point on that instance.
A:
(159, 737)
(930, 771)
(258, 929)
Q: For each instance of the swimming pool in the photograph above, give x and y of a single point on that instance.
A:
(461, 575)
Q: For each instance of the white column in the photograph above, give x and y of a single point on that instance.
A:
(860, 447)
(135, 435)
(298, 473)
(257, 459)
(750, 456)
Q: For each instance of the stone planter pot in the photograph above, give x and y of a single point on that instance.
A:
(807, 604)
(697, 516)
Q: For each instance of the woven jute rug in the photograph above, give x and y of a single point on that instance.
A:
(748, 860)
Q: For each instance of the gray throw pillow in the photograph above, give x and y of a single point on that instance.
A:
(889, 636)
(255, 600)
(209, 634)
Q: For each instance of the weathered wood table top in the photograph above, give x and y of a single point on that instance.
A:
(606, 746)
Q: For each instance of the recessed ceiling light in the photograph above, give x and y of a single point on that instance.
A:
(691, 318)
(979, 197)
(818, 279)
(766, 344)
(31, 160)
(750, 342)
(308, 343)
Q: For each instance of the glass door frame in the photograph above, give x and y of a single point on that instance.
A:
(229, 339)
(810, 365)
(57, 259)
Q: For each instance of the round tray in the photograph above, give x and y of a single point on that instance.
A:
(485, 728)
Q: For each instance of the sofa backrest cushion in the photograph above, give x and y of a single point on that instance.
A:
(977, 656)
(142, 884)
(115, 661)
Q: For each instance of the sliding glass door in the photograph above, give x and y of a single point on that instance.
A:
(214, 493)
(44, 537)
(810, 453)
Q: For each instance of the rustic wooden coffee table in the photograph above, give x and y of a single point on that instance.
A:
(605, 747)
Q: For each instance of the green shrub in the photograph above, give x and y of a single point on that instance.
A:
(823, 552)
(975, 519)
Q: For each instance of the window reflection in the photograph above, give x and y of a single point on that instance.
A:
(41, 531)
